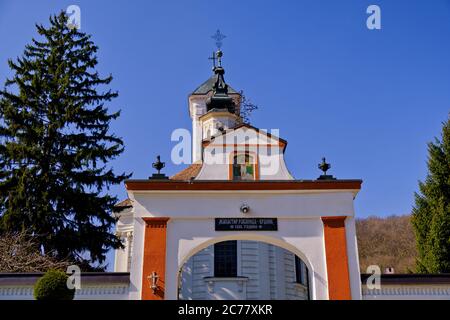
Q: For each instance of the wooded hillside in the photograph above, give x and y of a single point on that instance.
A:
(386, 242)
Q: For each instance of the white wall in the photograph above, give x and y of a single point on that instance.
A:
(197, 107)
(124, 230)
(266, 151)
(104, 291)
(352, 253)
(195, 270)
(191, 227)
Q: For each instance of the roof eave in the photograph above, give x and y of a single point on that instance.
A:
(353, 185)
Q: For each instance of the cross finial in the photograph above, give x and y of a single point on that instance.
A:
(218, 36)
(213, 58)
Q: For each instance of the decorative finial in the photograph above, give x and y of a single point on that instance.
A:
(218, 36)
(219, 55)
(220, 98)
(324, 166)
(158, 165)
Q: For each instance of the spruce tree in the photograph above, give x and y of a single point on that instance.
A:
(431, 214)
(55, 147)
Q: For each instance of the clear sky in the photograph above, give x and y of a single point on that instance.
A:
(368, 100)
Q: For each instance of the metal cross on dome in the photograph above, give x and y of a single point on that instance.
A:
(218, 36)
(213, 58)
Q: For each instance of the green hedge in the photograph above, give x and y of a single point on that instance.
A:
(53, 286)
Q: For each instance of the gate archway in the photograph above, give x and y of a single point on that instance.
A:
(241, 267)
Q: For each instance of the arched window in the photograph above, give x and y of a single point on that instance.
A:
(244, 167)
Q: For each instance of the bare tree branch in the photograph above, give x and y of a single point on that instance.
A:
(247, 107)
(19, 252)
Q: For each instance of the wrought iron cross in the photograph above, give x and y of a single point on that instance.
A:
(218, 36)
(213, 58)
(154, 279)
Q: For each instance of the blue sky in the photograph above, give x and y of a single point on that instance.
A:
(368, 100)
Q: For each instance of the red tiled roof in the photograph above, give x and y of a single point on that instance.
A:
(190, 172)
(124, 203)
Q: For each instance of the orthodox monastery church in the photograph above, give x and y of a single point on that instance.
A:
(236, 224)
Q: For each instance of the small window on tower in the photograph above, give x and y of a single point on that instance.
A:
(243, 167)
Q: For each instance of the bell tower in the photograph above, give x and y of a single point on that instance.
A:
(213, 106)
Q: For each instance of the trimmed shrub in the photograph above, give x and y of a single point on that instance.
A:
(53, 286)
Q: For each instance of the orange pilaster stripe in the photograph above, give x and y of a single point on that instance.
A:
(154, 257)
(337, 259)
